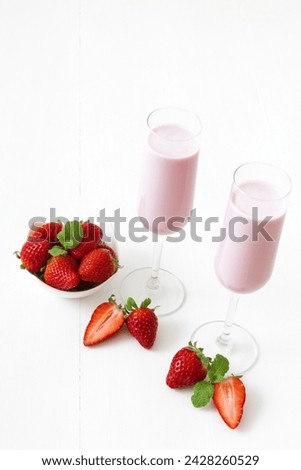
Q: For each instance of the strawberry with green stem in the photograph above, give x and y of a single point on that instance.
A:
(108, 318)
(97, 266)
(110, 249)
(34, 253)
(61, 272)
(50, 231)
(142, 322)
(188, 366)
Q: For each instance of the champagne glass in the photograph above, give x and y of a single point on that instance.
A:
(245, 257)
(166, 200)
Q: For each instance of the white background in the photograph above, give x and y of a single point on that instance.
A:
(77, 81)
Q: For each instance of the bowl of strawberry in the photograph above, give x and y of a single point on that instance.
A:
(71, 259)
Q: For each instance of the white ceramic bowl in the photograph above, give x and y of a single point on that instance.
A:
(84, 293)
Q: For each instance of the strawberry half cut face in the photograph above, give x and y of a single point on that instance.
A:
(106, 320)
(229, 398)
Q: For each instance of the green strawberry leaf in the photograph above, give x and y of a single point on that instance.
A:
(112, 299)
(218, 369)
(202, 393)
(131, 304)
(206, 361)
(145, 303)
(57, 250)
(71, 235)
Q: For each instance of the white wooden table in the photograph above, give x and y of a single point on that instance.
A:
(77, 81)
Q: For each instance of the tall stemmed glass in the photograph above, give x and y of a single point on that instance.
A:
(166, 200)
(245, 257)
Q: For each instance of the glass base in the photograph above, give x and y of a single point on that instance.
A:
(168, 298)
(242, 351)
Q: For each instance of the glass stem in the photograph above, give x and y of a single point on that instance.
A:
(153, 282)
(224, 340)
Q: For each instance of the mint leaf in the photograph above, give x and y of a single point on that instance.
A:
(57, 250)
(71, 235)
(218, 369)
(202, 393)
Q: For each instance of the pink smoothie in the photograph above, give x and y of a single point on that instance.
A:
(169, 175)
(246, 266)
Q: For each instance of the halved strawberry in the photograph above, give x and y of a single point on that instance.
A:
(229, 397)
(106, 320)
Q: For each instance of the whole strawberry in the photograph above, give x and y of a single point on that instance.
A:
(142, 322)
(110, 249)
(62, 272)
(91, 236)
(97, 266)
(34, 253)
(188, 366)
(50, 231)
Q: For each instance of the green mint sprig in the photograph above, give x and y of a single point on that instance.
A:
(216, 371)
(202, 393)
(218, 368)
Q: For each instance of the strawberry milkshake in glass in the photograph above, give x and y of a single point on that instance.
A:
(166, 200)
(245, 258)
